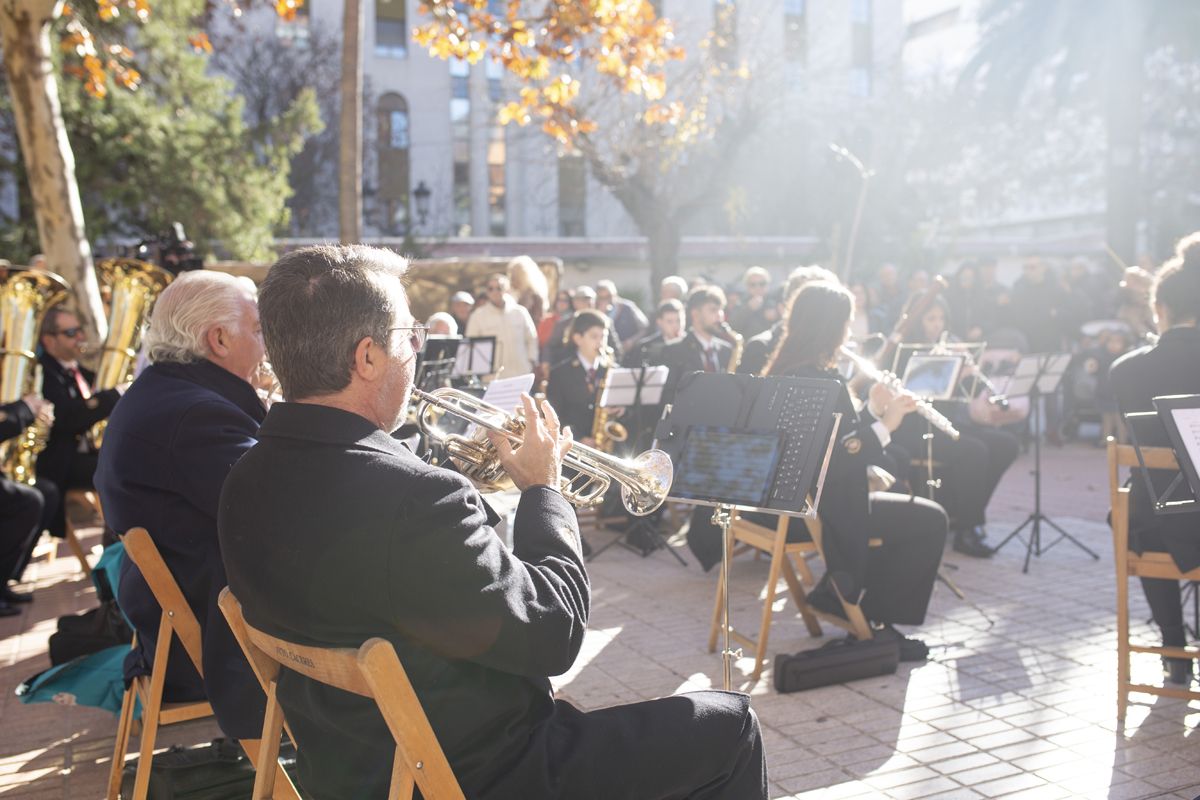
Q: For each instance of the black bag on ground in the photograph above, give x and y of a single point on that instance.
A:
(215, 771)
(89, 632)
(839, 661)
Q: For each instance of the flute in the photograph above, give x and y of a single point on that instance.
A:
(889, 379)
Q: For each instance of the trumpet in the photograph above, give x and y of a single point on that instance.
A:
(925, 408)
(644, 480)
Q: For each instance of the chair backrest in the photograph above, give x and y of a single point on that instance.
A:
(1126, 455)
(180, 617)
(373, 671)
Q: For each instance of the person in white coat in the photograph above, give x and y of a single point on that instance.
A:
(510, 323)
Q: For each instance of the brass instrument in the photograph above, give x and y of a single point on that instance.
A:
(606, 432)
(25, 297)
(739, 345)
(645, 480)
(134, 286)
(925, 408)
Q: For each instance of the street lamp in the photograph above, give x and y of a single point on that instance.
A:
(422, 193)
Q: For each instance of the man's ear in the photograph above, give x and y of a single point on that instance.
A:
(367, 358)
(215, 337)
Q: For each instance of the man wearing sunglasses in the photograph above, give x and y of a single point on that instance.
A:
(510, 323)
(69, 460)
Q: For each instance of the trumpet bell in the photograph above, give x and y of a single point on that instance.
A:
(654, 472)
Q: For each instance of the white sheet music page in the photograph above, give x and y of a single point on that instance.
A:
(1188, 421)
(505, 393)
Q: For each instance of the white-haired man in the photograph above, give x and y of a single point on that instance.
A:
(170, 444)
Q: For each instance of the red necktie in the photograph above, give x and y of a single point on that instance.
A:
(84, 390)
(591, 378)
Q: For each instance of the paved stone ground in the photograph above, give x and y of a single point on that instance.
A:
(1016, 701)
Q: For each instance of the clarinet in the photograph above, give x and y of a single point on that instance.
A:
(889, 379)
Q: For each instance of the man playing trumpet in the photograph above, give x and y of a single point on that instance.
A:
(332, 533)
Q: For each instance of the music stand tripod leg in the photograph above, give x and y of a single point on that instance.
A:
(723, 518)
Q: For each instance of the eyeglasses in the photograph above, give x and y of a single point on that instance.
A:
(70, 333)
(417, 336)
(757, 284)
(495, 288)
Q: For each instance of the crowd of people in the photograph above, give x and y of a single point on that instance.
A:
(330, 529)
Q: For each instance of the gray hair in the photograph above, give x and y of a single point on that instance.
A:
(194, 303)
(317, 304)
(449, 321)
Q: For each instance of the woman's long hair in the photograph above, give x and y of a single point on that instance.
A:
(815, 328)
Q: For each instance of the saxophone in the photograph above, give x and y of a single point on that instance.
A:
(739, 344)
(607, 432)
(25, 297)
(134, 286)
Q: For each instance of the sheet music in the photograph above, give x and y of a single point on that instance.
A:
(505, 393)
(621, 386)
(1188, 422)
(474, 356)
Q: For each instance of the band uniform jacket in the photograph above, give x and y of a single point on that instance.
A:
(687, 356)
(758, 350)
(573, 397)
(333, 533)
(14, 418)
(647, 351)
(73, 416)
(1170, 367)
(169, 446)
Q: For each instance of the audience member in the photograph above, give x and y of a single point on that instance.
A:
(511, 325)
(442, 324)
(628, 321)
(672, 287)
(750, 318)
(461, 305)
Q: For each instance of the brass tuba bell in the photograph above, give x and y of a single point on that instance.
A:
(25, 297)
(133, 286)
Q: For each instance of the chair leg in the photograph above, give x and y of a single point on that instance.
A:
(77, 550)
(158, 678)
(266, 765)
(805, 571)
(798, 594)
(1122, 639)
(284, 788)
(403, 781)
(764, 627)
(124, 725)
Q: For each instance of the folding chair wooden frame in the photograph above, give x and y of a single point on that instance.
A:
(749, 534)
(373, 671)
(178, 620)
(89, 498)
(1148, 564)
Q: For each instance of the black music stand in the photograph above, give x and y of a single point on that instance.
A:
(740, 442)
(1037, 376)
(436, 362)
(634, 388)
(475, 358)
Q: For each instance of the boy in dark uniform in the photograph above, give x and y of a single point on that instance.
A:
(575, 382)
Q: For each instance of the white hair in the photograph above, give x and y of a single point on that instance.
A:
(194, 303)
(449, 321)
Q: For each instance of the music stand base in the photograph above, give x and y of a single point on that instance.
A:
(1033, 547)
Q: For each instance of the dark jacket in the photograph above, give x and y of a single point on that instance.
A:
(572, 397)
(758, 350)
(14, 418)
(687, 356)
(646, 352)
(168, 448)
(73, 416)
(332, 533)
(1170, 367)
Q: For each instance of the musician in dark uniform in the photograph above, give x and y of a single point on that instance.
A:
(668, 323)
(893, 581)
(574, 384)
(1172, 366)
(702, 349)
(332, 533)
(970, 467)
(69, 460)
(22, 507)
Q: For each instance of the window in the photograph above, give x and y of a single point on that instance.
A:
(861, 47)
(795, 31)
(391, 28)
(497, 153)
(725, 31)
(460, 131)
(572, 196)
(393, 160)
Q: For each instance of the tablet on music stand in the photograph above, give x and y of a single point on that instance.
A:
(932, 377)
(1180, 415)
(476, 356)
(622, 386)
(723, 466)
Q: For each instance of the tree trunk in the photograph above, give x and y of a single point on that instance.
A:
(350, 159)
(663, 239)
(46, 152)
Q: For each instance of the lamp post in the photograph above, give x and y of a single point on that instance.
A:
(422, 194)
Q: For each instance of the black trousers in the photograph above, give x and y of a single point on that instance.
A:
(970, 468)
(21, 509)
(79, 476)
(699, 745)
(1163, 595)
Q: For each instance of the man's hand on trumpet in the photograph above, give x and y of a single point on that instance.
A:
(537, 461)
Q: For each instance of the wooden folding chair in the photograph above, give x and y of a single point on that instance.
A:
(373, 671)
(773, 541)
(1148, 564)
(87, 497)
(178, 620)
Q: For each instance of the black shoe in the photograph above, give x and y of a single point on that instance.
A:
(8, 611)
(911, 649)
(824, 597)
(1178, 670)
(968, 545)
(9, 595)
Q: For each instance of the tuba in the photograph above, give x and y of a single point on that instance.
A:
(644, 480)
(133, 286)
(25, 297)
